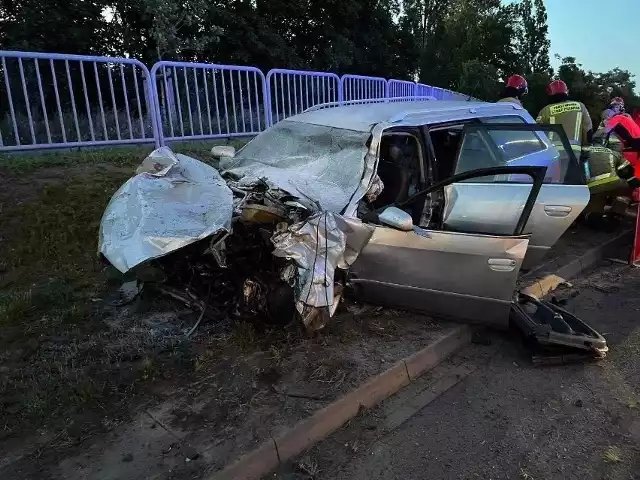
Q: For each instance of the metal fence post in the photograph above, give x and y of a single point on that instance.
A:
(293, 91)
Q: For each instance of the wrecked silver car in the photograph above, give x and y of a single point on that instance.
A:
(431, 206)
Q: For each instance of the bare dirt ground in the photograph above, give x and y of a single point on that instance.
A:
(90, 390)
(493, 415)
(236, 399)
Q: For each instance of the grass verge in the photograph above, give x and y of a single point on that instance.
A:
(64, 354)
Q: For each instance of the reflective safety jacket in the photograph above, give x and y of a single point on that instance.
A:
(628, 131)
(574, 118)
(607, 168)
(614, 142)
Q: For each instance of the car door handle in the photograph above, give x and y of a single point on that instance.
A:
(502, 264)
(557, 210)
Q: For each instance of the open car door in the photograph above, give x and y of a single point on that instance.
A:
(452, 251)
(564, 193)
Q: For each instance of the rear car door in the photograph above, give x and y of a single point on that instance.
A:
(452, 251)
(564, 193)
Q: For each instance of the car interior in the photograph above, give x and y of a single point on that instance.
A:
(446, 142)
(403, 162)
(401, 168)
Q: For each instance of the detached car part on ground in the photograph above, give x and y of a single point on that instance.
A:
(426, 206)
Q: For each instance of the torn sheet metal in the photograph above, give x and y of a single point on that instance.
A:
(173, 201)
(375, 189)
(319, 245)
(326, 165)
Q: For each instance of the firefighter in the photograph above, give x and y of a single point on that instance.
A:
(515, 89)
(611, 175)
(572, 115)
(628, 131)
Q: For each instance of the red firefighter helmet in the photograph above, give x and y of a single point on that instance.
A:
(519, 83)
(557, 87)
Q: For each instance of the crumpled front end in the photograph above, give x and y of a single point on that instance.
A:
(229, 247)
(321, 244)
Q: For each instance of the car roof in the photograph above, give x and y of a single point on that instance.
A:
(362, 117)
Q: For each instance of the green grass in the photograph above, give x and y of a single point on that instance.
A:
(20, 164)
(124, 156)
(56, 234)
(59, 357)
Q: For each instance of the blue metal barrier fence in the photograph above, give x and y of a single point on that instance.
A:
(50, 100)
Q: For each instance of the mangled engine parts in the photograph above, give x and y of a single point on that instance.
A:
(226, 246)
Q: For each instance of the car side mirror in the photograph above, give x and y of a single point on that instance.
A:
(223, 151)
(396, 218)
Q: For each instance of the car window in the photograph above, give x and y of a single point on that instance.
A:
(488, 204)
(514, 144)
(475, 152)
(479, 151)
(484, 146)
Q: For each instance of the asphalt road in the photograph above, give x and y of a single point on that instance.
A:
(498, 417)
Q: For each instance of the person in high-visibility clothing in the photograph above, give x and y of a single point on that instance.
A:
(611, 175)
(609, 170)
(515, 89)
(628, 131)
(573, 116)
(616, 106)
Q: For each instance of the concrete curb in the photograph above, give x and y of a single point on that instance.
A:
(306, 433)
(277, 450)
(545, 285)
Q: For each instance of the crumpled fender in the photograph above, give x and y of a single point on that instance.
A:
(173, 201)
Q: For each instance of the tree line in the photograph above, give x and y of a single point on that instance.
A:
(469, 46)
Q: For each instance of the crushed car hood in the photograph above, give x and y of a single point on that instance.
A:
(325, 165)
(173, 201)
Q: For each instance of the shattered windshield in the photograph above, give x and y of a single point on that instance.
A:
(323, 163)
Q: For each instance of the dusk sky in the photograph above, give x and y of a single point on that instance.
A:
(600, 34)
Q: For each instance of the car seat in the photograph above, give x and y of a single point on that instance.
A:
(395, 176)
